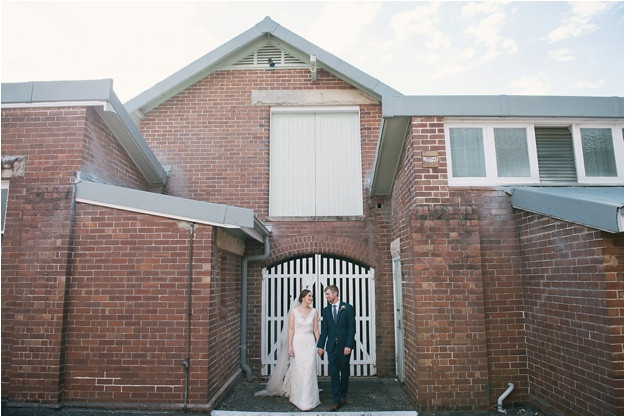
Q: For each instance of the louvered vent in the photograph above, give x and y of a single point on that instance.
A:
(556, 157)
(260, 57)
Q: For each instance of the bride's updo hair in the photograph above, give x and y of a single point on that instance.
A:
(303, 294)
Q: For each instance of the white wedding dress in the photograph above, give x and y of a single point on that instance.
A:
(296, 377)
(304, 392)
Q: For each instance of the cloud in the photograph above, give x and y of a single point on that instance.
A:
(486, 31)
(384, 51)
(561, 55)
(579, 20)
(591, 84)
(473, 8)
(331, 30)
(421, 21)
(530, 85)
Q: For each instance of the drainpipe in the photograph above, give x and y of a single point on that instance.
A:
(252, 258)
(503, 397)
(186, 364)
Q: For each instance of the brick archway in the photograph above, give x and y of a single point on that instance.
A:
(337, 246)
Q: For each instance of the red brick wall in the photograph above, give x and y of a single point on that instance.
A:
(224, 321)
(56, 142)
(468, 233)
(34, 267)
(573, 279)
(128, 309)
(34, 247)
(218, 145)
(51, 138)
(104, 157)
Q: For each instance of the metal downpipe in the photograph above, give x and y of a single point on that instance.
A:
(186, 364)
(252, 258)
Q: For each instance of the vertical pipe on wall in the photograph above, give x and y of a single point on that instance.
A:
(186, 364)
(68, 278)
(252, 258)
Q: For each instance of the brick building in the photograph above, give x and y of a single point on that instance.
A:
(149, 250)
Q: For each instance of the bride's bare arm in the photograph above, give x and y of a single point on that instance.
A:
(291, 332)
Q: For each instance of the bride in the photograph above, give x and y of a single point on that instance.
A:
(296, 378)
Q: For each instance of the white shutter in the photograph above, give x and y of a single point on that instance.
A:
(292, 159)
(339, 172)
(315, 162)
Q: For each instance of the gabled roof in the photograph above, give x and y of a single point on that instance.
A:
(100, 95)
(266, 29)
(397, 109)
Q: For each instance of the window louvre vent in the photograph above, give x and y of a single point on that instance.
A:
(556, 157)
(260, 57)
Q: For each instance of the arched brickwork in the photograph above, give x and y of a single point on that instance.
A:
(331, 245)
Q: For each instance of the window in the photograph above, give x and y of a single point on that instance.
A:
(315, 162)
(598, 152)
(483, 153)
(5, 199)
(511, 152)
(556, 154)
(467, 152)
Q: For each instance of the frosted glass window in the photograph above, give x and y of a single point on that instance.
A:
(598, 152)
(511, 151)
(467, 152)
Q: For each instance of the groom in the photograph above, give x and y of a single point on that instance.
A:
(339, 328)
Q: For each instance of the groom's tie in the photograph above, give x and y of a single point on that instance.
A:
(334, 312)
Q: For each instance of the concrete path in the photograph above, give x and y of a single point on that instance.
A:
(367, 397)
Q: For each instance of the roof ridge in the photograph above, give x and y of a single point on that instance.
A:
(208, 63)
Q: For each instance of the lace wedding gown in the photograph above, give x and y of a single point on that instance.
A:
(302, 373)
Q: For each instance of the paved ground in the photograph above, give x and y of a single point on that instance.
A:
(367, 397)
(373, 396)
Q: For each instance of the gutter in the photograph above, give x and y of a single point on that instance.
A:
(252, 258)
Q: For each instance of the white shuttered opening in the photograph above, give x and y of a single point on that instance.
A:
(315, 162)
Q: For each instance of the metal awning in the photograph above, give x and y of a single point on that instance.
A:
(597, 207)
(238, 221)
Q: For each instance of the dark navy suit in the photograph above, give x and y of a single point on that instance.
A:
(335, 337)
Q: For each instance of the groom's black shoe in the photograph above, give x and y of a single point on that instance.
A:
(335, 406)
(343, 401)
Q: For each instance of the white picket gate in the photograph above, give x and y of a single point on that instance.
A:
(283, 282)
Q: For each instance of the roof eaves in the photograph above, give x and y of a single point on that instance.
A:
(97, 93)
(203, 66)
(506, 106)
(242, 221)
(388, 153)
(335, 65)
(596, 207)
(188, 75)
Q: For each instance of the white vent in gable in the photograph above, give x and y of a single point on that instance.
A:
(260, 59)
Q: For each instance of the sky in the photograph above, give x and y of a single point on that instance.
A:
(416, 47)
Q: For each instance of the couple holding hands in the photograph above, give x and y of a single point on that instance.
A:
(295, 374)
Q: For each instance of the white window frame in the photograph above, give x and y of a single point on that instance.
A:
(617, 146)
(490, 157)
